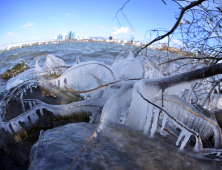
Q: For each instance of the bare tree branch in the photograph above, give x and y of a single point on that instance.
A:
(183, 10)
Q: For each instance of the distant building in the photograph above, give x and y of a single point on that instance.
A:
(59, 37)
(64, 36)
(68, 36)
(72, 35)
(110, 38)
(125, 41)
(136, 43)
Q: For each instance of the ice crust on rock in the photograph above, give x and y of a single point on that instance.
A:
(27, 75)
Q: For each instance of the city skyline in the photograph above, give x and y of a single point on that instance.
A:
(40, 20)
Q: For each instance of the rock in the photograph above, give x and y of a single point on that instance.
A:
(218, 116)
(115, 147)
(15, 70)
(14, 150)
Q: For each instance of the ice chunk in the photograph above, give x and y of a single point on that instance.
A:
(125, 69)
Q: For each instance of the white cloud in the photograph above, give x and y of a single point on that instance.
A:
(85, 25)
(67, 13)
(121, 30)
(29, 24)
(115, 28)
(178, 42)
(11, 34)
(101, 27)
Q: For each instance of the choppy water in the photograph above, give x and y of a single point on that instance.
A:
(102, 52)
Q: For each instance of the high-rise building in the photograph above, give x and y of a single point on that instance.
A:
(64, 36)
(72, 35)
(59, 37)
(68, 35)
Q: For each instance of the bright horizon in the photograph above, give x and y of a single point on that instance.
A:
(23, 21)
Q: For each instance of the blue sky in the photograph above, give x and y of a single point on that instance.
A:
(28, 20)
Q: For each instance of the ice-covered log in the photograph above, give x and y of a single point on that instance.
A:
(30, 117)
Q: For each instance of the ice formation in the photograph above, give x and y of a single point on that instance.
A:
(129, 68)
(50, 64)
(29, 117)
(132, 92)
(86, 76)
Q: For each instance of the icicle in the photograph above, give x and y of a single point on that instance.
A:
(34, 117)
(30, 104)
(154, 124)
(197, 145)
(185, 140)
(189, 95)
(148, 118)
(164, 120)
(7, 128)
(41, 112)
(182, 133)
(15, 127)
(30, 87)
(23, 106)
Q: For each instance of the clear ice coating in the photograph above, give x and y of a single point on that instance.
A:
(129, 93)
(50, 64)
(129, 68)
(86, 76)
